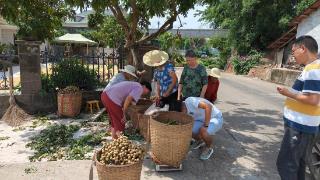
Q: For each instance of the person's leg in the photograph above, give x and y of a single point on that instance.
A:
(306, 144)
(196, 135)
(116, 114)
(206, 137)
(290, 163)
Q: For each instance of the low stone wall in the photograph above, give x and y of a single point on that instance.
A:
(43, 103)
(284, 76)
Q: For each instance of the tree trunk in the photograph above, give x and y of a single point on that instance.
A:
(137, 62)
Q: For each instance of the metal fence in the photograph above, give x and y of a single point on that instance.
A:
(6, 61)
(105, 63)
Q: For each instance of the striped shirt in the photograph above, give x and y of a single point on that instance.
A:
(300, 116)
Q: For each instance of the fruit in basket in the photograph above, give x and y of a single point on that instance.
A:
(121, 152)
(69, 90)
(172, 122)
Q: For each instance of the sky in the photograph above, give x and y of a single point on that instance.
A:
(189, 22)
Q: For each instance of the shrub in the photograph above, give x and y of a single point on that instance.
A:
(71, 72)
(178, 59)
(213, 62)
(242, 65)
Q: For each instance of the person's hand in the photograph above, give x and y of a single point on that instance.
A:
(166, 94)
(282, 90)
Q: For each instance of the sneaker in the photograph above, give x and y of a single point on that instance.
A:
(197, 144)
(205, 155)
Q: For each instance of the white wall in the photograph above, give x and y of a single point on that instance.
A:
(311, 26)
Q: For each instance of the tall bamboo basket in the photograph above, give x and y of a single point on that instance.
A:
(170, 143)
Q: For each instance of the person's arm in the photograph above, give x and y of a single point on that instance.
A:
(180, 83)
(127, 103)
(207, 109)
(203, 90)
(204, 81)
(179, 91)
(172, 85)
(307, 98)
(157, 90)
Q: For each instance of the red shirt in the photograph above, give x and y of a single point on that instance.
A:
(212, 89)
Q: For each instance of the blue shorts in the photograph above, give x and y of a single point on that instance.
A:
(214, 125)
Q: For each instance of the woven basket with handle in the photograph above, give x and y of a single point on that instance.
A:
(170, 143)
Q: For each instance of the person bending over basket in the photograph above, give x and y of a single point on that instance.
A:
(117, 99)
(207, 121)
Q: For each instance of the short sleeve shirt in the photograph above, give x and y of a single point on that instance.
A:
(164, 78)
(115, 79)
(120, 91)
(192, 104)
(192, 80)
(300, 116)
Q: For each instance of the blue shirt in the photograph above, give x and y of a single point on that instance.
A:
(164, 78)
(115, 80)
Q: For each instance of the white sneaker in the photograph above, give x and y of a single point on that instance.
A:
(205, 155)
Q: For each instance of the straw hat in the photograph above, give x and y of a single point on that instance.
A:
(215, 72)
(130, 70)
(155, 58)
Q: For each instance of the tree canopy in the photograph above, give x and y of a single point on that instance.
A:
(36, 19)
(252, 23)
(133, 15)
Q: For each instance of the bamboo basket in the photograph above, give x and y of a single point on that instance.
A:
(170, 143)
(69, 105)
(117, 172)
(143, 125)
(132, 112)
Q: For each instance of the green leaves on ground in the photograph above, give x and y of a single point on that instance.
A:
(56, 142)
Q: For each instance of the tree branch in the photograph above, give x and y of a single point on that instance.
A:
(116, 10)
(165, 27)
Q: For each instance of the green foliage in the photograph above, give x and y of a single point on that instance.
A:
(178, 60)
(166, 41)
(242, 65)
(71, 72)
(36, 19)
(50, 140)
(56, 142)
(212, 62)
(302, 5)
(108, 32)
(251, 23)
(223, 45)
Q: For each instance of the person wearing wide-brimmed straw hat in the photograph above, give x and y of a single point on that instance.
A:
(164, 76)
(128, 73)
(213, 85)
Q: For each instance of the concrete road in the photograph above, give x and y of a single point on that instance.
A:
(245, 149)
